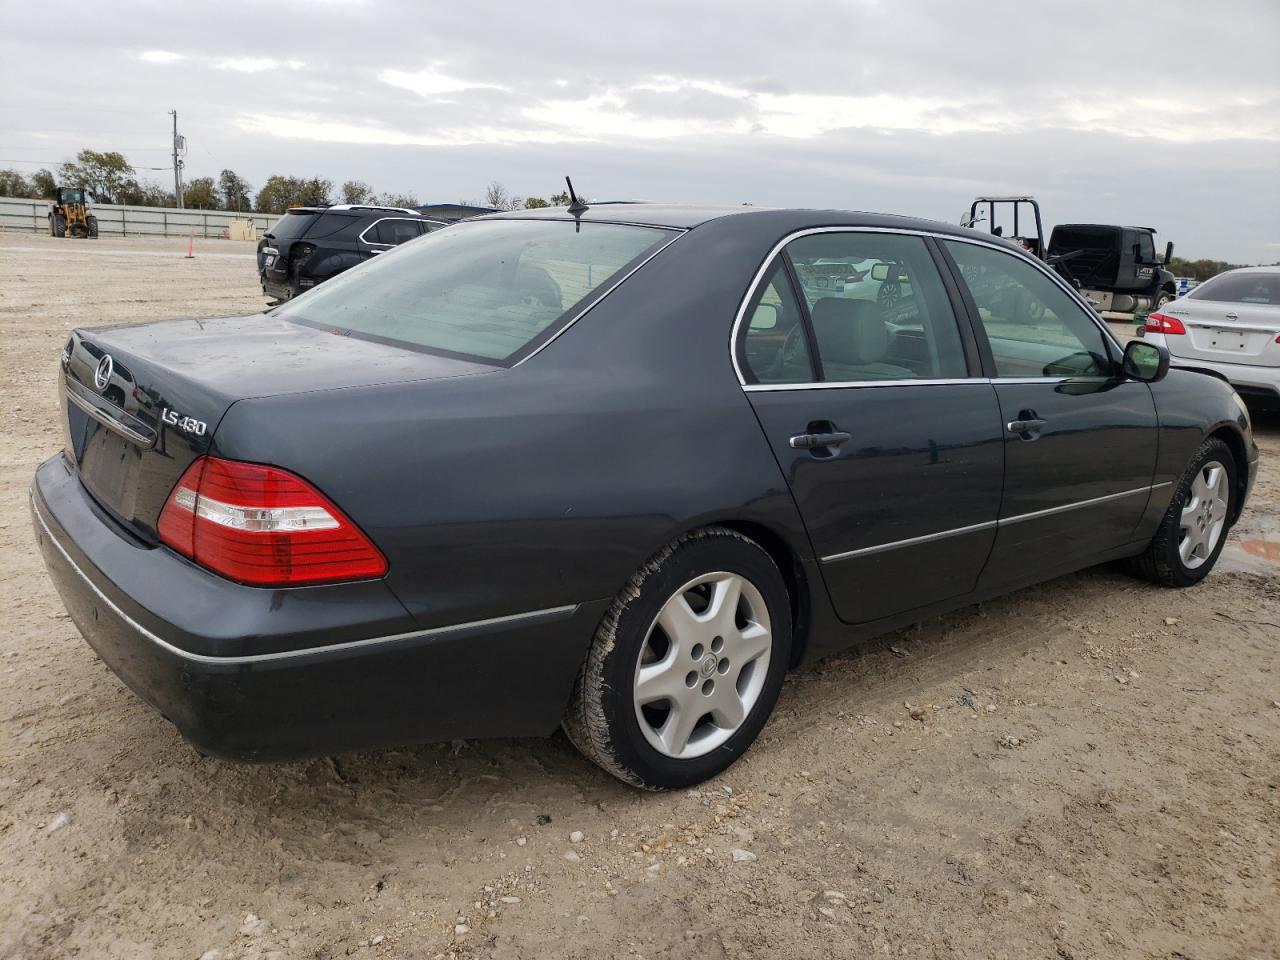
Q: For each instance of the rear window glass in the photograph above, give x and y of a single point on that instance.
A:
(291, 225)
(491, 290)
(1240, 288)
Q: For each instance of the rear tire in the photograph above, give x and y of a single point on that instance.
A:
(687, 664)
(1195, 527)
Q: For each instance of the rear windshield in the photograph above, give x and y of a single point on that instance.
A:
(489, 290)
(1240, 288)
(292, 225)
(1076, 238)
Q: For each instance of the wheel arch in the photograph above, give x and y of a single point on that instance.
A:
(793, 576)
(1234, 440)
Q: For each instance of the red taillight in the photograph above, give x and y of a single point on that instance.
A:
(263, 526)
(1163, 323)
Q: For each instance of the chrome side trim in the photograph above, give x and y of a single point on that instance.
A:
(141, 439)
(1002, 522)
(533, 616)
(927, 538)
(1037, 514)
(678, 233)
(1003, 247)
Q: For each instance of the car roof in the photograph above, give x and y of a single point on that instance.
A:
(1260, 268)
(1105, 226)
(354, 208)
(687, 217)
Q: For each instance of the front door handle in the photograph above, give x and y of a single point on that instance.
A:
(816, 441)
(1027, 426)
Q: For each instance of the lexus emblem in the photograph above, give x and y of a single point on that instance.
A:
(102, 376)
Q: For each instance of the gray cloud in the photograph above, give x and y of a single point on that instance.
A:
(1167, 115)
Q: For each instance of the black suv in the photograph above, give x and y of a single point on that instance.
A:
(308, 245)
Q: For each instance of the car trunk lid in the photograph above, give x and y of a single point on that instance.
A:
(140, 403)
(1226, 332)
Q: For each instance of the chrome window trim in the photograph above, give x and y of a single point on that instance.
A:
(988, 524)
(1002, 247)
(532, 616)
(374, 243)
(863, 384)
(943, 382)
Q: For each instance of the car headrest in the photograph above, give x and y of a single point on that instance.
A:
(850, 332)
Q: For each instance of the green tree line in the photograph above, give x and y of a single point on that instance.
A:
(1199, 269)
(110, 178)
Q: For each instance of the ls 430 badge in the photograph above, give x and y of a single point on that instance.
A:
(185, 424)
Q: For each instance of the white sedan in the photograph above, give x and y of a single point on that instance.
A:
(1231, 326)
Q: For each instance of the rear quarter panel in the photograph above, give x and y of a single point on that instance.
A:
(551, 482)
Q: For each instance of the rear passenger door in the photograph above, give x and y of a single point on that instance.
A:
(871, 395)
(1080, 439)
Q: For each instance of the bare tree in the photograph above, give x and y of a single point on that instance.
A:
(498, 197)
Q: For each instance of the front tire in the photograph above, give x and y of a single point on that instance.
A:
(93, 228)
(687, 664)
(58, 225)
(1194, 529)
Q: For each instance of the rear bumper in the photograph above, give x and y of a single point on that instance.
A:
(256, 674)
(273, 287)
(1250, 381)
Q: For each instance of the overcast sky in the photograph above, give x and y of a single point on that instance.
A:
(1165, 114)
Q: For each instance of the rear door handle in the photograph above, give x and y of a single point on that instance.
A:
(815, 441)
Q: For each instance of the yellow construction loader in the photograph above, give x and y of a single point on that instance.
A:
(69, 214)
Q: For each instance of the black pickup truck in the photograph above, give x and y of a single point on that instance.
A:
(1114, 267)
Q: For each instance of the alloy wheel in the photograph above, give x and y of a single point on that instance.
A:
(702, 665)
(1204, 515)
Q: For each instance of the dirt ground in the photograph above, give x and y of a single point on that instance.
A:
(1097, 773)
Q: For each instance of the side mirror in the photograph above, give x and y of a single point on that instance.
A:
(765, 317)
(1137, 253)
(1145, 361)
(880, 272)
(1168, 252)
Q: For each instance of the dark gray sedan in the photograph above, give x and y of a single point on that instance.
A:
(616, 472)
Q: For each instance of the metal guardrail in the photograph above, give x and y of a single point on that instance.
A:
(32, 216)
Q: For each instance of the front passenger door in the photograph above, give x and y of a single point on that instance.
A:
(1080, 439)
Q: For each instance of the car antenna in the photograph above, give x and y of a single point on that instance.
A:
(576, 206)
